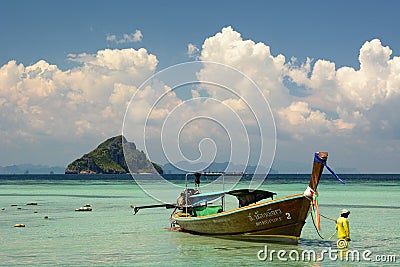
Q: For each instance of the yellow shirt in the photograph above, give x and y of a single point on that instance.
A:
(342, 225)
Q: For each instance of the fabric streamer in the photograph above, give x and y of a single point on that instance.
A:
(316, 211)
(314, 202)
(317, 158)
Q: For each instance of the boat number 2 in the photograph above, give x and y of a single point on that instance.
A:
(288, 216)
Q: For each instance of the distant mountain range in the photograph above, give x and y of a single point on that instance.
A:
(31, 169)
(214, 167)
(292, 167)
(279, 166)
(108, 157)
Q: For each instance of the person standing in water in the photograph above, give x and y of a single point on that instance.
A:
(342, 226)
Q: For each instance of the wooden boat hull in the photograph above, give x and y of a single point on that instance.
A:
(281, 219)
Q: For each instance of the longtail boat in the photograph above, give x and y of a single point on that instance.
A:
(276, 220)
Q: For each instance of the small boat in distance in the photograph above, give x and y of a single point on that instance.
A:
(241, 174)
(212, 173)
(277, 220)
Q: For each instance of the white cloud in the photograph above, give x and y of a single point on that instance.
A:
(377, 79)
(81, 58)
(340, 109)
(41, 101)
(111, 38)
(362, 99)
(302, 121)
(193, 51)
(135, 37)
(312, 101)
(253, 59)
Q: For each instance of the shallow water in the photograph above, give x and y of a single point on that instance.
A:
(112, 235)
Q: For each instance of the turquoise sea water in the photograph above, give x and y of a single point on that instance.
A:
(111, 235)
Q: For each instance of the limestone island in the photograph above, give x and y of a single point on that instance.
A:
(109, 158)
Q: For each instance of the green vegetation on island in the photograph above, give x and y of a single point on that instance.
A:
(109, 158)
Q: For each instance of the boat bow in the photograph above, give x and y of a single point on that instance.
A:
(318, 166)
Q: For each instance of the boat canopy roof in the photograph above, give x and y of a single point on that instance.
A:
(245, 196)
(206, 197)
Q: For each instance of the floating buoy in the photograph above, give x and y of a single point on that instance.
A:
(19, 225)
(84, 209)
(87, 207)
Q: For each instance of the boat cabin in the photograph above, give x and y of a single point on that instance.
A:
(197, 203)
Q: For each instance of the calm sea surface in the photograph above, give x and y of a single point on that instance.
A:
(111, 235)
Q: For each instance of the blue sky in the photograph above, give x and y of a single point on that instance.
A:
(34, 30)
(70, 34)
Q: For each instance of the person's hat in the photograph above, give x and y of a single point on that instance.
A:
(344, 211)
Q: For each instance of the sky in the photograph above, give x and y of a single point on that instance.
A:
(328, 70)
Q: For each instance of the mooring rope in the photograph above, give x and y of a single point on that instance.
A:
(328, 218)
(315, 226)
(314, 198)
(312, 217)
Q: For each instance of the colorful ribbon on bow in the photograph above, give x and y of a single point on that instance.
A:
(316, 210)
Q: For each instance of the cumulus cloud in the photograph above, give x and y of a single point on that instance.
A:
(315, 104)
(40, 100)
(310, 100)
(306, 121)
(329, 100)
(253, 59)
(135, 37)
(362, 98)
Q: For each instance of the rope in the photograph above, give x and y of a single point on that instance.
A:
(328, 218)
(312, 217)
(317, 214)
(317, 158)
(332, 235)
(315, 226)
